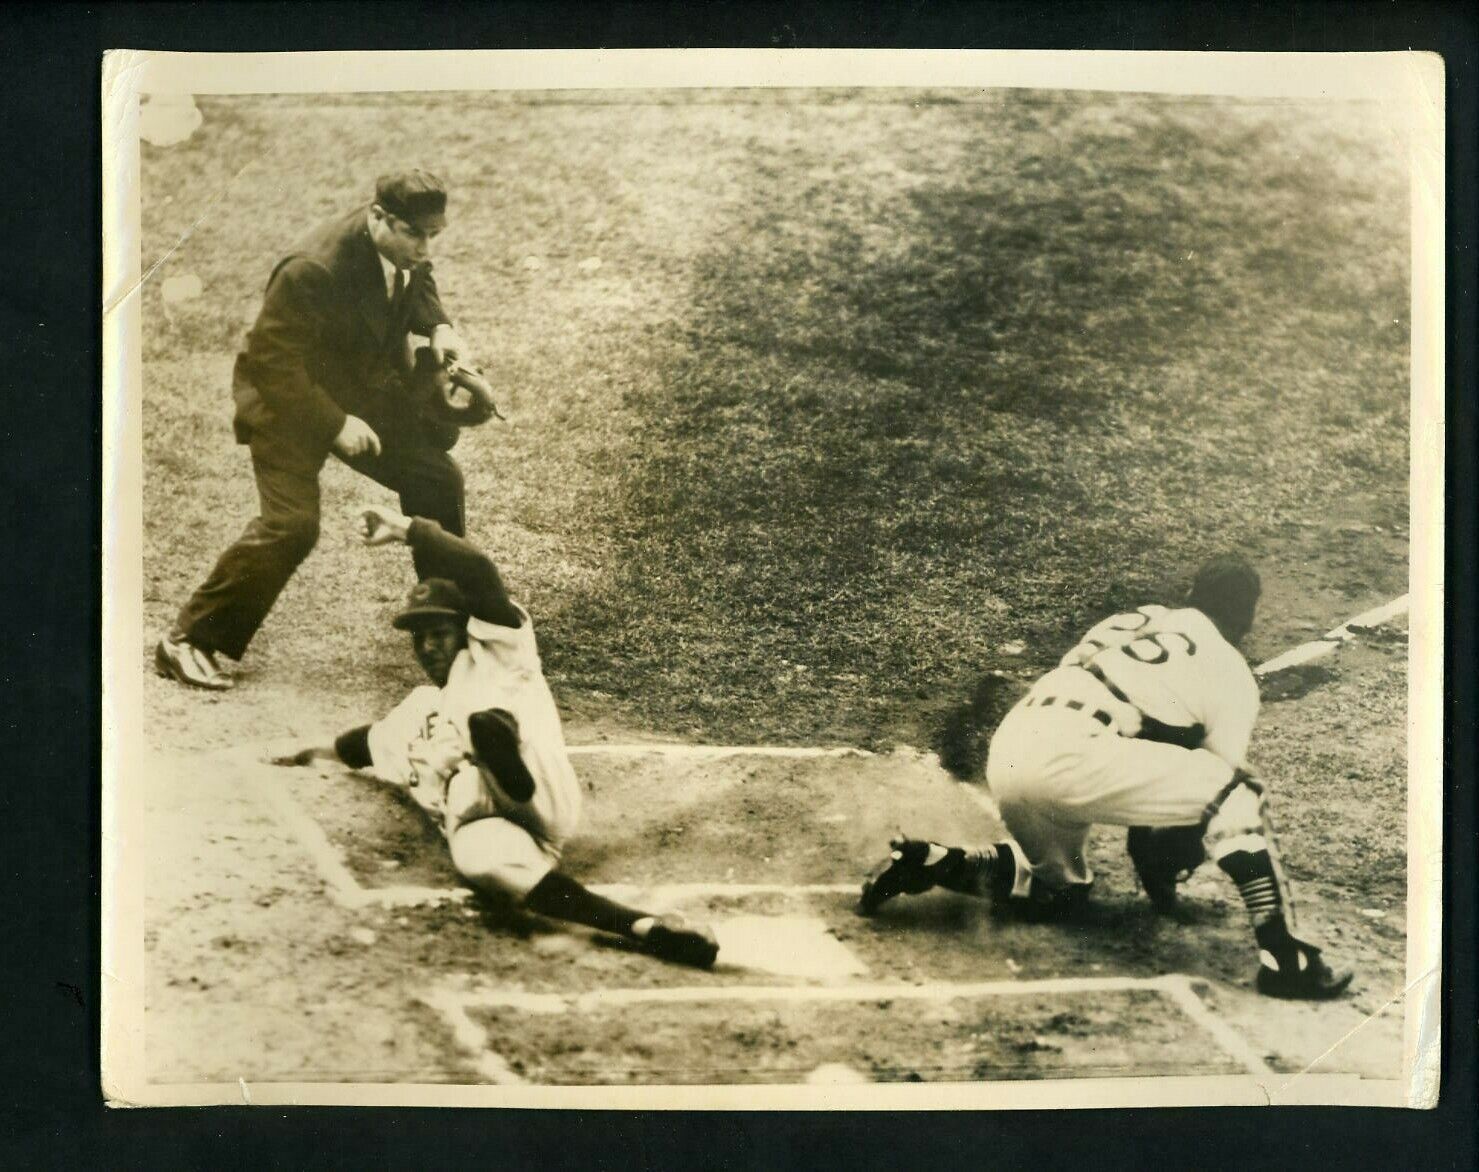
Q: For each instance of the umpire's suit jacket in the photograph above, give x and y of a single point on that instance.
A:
(327, 343)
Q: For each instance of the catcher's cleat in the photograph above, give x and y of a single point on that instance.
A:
(904, 872)
(1307, 978)
(673, 938)
(179, 659)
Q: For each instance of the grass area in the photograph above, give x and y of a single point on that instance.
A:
(817, 399)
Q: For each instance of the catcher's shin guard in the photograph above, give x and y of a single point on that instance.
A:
(1289, 967)
(1240, 831)
(914, 867)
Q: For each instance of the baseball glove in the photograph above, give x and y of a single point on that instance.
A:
(452, 395)
(1165, 856)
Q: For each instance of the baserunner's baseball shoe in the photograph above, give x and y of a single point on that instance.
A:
(494, 733)
(904, 872)
(179, 659)
(674, 938)
(1315, 981)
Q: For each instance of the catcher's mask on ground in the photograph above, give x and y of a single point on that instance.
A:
(1226, 590)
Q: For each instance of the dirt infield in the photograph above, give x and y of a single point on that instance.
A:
(260, 968)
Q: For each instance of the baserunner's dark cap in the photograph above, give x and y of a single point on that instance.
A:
(416, 196)
(433, 598)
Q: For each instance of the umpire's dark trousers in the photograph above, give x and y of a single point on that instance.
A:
(226, 611)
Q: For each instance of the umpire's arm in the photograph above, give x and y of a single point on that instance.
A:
(424, 302)
(279, 346)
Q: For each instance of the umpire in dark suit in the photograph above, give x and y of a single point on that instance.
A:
(326, 368)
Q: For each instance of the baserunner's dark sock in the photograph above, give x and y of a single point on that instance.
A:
(562, 898)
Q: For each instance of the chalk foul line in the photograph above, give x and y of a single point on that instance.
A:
(713, 752)
(676, 892)
(346, 890)
(340, 882)
(455, 1003)
(1328, 642)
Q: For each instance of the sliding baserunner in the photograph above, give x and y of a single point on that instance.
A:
(481, 749)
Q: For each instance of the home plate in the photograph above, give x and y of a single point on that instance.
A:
(792, 946)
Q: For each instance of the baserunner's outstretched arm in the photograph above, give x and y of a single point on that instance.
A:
(444, 556)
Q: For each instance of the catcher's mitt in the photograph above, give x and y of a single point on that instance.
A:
(451, 395)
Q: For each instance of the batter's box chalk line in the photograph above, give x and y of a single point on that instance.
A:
(711, 752)
(347, 891)
(456, 1001)
(452, 1003)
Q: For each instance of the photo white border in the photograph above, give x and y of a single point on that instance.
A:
(1408, 88)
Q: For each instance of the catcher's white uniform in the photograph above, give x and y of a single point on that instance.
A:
(423, 745)
(1074, 752)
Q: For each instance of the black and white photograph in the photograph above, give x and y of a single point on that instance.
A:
(749, 579)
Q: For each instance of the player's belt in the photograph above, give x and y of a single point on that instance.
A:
(1073, 705)
(1151, 729)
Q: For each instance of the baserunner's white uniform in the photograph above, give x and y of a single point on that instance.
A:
(423, 745)
(1071, 753)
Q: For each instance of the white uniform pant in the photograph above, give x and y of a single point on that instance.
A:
(490, 849)
(1055, 772)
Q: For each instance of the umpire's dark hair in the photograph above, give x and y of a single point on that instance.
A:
(1226, 590)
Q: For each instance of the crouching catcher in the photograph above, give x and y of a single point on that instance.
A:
(1144, 724)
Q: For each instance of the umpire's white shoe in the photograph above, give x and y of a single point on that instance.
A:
(179, 659)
